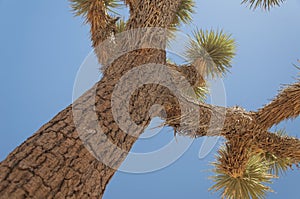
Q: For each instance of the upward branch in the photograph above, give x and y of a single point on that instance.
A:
(95, 13)
(285, 106)
(102, 24)
(280, 146)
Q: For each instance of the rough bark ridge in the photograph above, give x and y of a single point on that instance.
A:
(54, 163)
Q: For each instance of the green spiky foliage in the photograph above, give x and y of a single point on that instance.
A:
(211, 52)
(265, 4)
(120, 26)
(250, 185)
(198, 93)
(277, 165)
(281, 133)
(297, 66)
(170, 61)
(201, 93)
(81, 7)
(183, 14)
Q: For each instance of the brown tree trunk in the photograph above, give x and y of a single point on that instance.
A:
(54, 162)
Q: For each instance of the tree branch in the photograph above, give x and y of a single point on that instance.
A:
(285, 106)
(238, 125)
(283, 147)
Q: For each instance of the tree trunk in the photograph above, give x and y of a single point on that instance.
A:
(54, 162)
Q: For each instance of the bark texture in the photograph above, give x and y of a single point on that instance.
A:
(54, 163)
(285, 106)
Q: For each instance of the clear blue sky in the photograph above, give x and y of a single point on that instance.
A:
(43, 45)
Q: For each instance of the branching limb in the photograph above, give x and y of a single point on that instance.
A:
(280, 146)
(285, 106)
(102, 24)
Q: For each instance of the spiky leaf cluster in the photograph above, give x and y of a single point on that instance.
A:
(82, 7)
(120, 26)
(213, 50)
(265, 4)
(250, 185)
(201, 93)
(277, 165)
(183, 14)
(297, 66)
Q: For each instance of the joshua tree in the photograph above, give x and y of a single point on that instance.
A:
(59, 162)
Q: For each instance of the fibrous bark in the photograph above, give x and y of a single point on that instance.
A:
(285, 106)
(54, 163)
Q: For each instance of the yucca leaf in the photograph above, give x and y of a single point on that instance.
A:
(265, 4)
(120, 26)
(211, 52)
(183, 14)
(82, 7)
(201, 93)
(250, 185)
(296, 66)
(277, 165)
